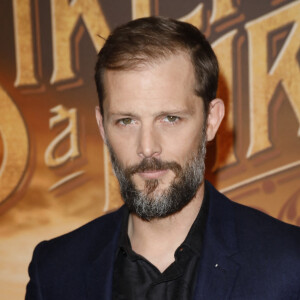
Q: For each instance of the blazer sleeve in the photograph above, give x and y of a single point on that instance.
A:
(33, 289)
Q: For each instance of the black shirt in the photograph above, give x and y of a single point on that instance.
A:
(136, 278)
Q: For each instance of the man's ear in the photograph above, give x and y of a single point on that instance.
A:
(215, 116)
(99, 119)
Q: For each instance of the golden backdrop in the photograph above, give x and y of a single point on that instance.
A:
(54, 171)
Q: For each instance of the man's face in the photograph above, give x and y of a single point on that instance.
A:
(153, 125)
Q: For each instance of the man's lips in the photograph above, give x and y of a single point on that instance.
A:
(152, 174)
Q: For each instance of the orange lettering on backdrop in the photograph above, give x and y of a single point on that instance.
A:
(221, 9)
(15, 143)
(65, 15)
(140, 8)
(23, 43)
(285, 70)
(195, 16)
(71, 131)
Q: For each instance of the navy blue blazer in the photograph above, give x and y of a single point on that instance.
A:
(246, 255)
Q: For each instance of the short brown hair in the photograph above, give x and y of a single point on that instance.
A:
(147, 40)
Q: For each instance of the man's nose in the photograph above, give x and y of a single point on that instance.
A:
(148, 142)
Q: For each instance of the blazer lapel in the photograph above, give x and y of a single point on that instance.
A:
(100, 273)
(218, 267)
(99, 281)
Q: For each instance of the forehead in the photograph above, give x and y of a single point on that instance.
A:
(163, 84)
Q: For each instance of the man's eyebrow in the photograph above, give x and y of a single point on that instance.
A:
(185, 111)
(121, 113)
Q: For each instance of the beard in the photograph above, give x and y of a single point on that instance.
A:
(152, 203)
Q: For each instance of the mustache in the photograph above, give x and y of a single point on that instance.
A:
(153, 164)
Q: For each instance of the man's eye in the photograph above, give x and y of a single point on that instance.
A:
(171, 119)
(125, 121)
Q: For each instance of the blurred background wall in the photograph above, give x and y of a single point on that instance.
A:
(54, 171)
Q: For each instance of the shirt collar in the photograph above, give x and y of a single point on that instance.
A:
(194, 238)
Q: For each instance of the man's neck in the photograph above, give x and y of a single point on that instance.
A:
(158, 239)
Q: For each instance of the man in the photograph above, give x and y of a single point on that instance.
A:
(176, 237)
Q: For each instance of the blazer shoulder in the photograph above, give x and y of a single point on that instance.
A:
(83, 242)
(252, 224)
(60, 267)
(249, 214)
(263, 223)
(265, 250)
